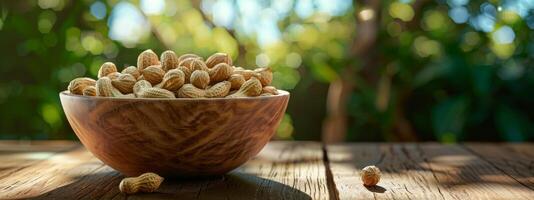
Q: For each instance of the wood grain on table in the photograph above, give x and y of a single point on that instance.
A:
(287, 170)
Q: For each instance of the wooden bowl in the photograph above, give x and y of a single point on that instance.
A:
(174, 137)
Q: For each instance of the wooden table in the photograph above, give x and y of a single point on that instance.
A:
(287, 170)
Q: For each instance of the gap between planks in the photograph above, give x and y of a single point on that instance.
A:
(333, 193)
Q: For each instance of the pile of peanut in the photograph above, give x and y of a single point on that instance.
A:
(170, 76)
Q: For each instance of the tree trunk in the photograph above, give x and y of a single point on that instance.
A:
(335, 125)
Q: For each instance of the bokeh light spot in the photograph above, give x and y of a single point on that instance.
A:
(425, 47)
(459, 15)
(127, 24)
(223, 13)
(304, 8)
(72, 43)
(489, 10)
(286, 78)
(509, 17)
(51, 4)
(152, 7)
(483, 23)
(285, 129)
(51, 115)
(46, 21)
(503, 51)
(504, 35)
(267, 28)
(434, 20)
(454, 3)
(111, 50)
(401, 11)
(98, 10)
(293, 60)
(333, 7)
(366, 14)
(92, 44)
(262, 60)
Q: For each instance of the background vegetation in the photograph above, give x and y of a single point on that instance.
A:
(374, 70)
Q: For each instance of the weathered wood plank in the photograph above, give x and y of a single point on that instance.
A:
(465, 175)
(291, 170)
(32, 146)
(16, 155)
(102, 183)
(515, 160)
(426, 171)
(56, 171)
(283, 170)
(297, 167)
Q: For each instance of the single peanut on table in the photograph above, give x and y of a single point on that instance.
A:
(370, 175)
(147, 182)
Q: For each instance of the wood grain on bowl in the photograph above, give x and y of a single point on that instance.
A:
(174, 137)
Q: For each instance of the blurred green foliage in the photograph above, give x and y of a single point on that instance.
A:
(446, 70)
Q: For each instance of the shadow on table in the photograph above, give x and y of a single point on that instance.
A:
(236, 185)
(376, 189)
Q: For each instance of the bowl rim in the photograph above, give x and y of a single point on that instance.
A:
(281, 93)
